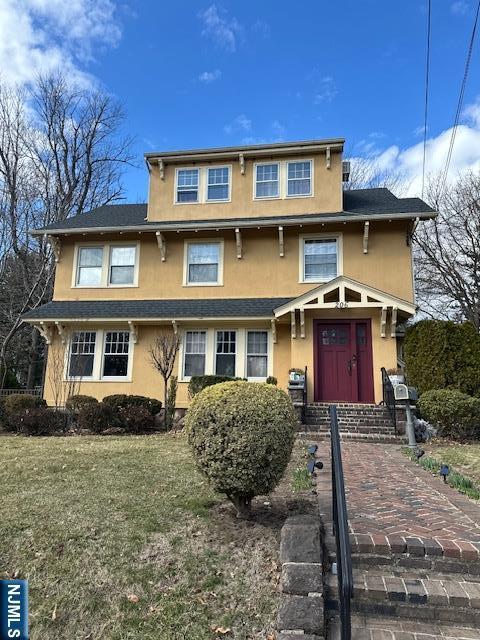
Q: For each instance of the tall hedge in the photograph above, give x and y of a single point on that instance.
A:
(443, 355)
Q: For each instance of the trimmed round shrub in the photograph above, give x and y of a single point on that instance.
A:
(20, 401)
(198, 383)
(76, 402)
(452, 413)
(119, 400)
(97, 417)
(242, 435)
(37, 421)
(136, 419)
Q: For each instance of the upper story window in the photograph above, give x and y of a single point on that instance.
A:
(187, 185)
(218, 184)
(267, 180)
(109, 265)
(299, 181)
(320, 258)
(203, 263)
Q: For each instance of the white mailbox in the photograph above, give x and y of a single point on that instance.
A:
(401, 392)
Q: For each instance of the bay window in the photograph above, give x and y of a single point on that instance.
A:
(226, 347)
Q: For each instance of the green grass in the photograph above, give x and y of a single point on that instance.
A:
(301, 479)
(90, 521)
(461, 459)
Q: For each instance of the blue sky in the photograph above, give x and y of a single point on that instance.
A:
(210, 74)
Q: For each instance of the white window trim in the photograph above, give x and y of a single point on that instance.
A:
(269, 355)
(182, 352)
(202, 195)
(229, 185)
(221, 244)
(319, 236)
(300, 195)
(98, 356)
(283, 179)
(240, 356)
(214, 366)
(105, 277)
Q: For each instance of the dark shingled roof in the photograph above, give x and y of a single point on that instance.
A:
(356, 203)
(145, 309)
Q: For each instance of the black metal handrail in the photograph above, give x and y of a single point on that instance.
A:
(304, 405)
(389, 397)
(340, 530)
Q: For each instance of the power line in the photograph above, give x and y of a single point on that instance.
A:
(427, 76)
(460, 99)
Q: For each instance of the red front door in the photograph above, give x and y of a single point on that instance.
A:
(343, 361)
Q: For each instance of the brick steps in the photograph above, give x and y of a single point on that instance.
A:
(378, 438)
(451, 599)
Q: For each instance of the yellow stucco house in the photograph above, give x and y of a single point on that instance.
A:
(255, 255)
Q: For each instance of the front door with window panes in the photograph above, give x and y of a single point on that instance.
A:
(226, 348)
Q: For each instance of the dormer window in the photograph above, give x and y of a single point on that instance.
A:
(187, 185)
(218, 185)
(299, 182)
(267, 181)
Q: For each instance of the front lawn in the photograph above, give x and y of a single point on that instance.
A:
(121, 538)
(464, 458)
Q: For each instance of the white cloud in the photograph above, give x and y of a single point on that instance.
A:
(459, 8)
(279, 129)
(43, 35)
(261, 28)
(326, 90)
(210, 76)
(240, 123)
(224, 31)
(465, 157)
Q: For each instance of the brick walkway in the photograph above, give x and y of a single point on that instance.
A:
(392, 499)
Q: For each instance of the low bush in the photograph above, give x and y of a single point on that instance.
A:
(452, 413)
(20, 401)
(36, 421)
(3, 414)
(76, 402)
(97, 417)
(136, 419)
(271, 380)
(242, 436)
(120, 400)
(198, 383)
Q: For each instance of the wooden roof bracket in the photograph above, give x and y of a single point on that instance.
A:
(61, 332)
(161, 168)
(302, 323)
(328, 160)
(162, 245)
(274, 330)
(175, 327)
(366, 228)
(238, 239)
(45, 331)
(393, 332)
(241, 160)
(281, 243)
(54, 242)
(293, 323)
(133, 332)
(383, 322)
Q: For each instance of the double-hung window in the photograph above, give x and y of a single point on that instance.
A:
(187, 185)
(89, 270)
(299, 179)
(226, 347)
(203, 263)
(122, 265)
(218, 184)
(82, 354)
(320, 259)
(195, 347)
(267, 180)
(257, 354)
(115, 356)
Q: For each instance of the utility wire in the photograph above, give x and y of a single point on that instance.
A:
(460, 99)
(427, 76)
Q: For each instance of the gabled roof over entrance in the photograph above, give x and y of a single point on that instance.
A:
(346, 293)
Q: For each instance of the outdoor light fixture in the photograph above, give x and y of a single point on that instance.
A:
(312, 449)
(444, 471)
(313, 464)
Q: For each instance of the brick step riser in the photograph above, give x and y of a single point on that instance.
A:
(407, 563)
(352, 437)
(354, 415)
(380, 422)
(354, 429)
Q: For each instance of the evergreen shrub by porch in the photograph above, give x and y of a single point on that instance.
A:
(452, 413)
(97, 417)
(136, 419)
(36, 421)
(76, 402)
(198, 383)
(242, 436)
(120, 400)
(443, 355)
(20, 401)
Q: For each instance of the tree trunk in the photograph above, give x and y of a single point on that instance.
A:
(165, 401)
(32, 359)
(242, 505)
